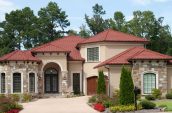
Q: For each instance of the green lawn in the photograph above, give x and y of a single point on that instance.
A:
(165, 102)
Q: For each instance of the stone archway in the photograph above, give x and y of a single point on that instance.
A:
(52, 78)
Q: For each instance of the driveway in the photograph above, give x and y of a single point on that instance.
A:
(59, 105)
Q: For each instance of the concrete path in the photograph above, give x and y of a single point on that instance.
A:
(59, 105)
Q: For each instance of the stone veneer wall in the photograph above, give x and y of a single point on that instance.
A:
(159, 68)
(22, 67)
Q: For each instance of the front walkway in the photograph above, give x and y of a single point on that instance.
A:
(59, 105)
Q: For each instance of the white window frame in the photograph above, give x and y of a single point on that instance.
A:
(156, 85)
(36, 81)
(5, 83)
(87, 53)
(21, 82)
(80, 80)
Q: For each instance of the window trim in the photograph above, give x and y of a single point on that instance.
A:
(21, 82)
(156, 78)
(36, 80)
(80, 80)
(5, 83)
(87, 53)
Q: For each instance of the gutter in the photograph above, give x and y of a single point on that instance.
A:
(107, 67)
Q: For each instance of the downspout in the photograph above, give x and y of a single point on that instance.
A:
(82, 78)
(107, 67)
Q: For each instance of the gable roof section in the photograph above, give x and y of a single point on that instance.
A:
(48, 48)
(65, 44)
(114, 36)
(19, 55)
(135, 53)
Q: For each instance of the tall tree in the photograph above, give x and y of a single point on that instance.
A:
(101, 85)
(96, 23)
(126, 87)
(18, 28)
(144, 24)
(84, 32)
(52, 22)
(118, 22)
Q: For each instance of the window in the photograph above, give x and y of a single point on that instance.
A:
(149, 82)
(93, 54)
(2, 78)
(16, 82)
(31, 82)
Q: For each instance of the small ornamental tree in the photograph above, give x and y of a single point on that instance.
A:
(126, 87)
(101, 86)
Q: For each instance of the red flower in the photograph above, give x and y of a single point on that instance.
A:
(14, 111)
(99, 107)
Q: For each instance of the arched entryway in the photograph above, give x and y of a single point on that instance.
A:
(52, 74)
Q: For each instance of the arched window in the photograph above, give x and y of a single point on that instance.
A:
(32, 82)
(2, 82)
(149, 82)
(51, 71)
(17, 83)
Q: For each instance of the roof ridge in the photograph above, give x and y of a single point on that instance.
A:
(106, 35)
(137, 53)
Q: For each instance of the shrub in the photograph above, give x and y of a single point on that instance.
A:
(92, 99)
(126, 87)
(107, 104)
(150, 97)
(147, 104)
(156, 93)
(27, 97)
(124, 108)
(6, 104)
(101, 86)
(14, 97)
(168, 96)
(2, 96)
(102, 98)
(99, 107)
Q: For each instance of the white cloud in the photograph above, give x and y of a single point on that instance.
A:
(145, 2)
(5, 7)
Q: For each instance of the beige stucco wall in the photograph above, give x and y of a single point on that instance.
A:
(115, 74)
(169, 77)
(107, 50)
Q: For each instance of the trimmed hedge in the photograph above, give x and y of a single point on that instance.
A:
(149, 97)
(169, 96)
(147, 104)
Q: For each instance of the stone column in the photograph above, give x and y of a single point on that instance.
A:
(64, 85)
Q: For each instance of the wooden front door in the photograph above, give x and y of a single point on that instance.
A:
(51, 81)
(76, 83)
(91, 85)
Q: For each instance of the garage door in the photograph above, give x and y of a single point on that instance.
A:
(92, 85)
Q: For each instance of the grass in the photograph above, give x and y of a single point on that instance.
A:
(168, 103)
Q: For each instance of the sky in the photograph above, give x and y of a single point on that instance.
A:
(76, 9)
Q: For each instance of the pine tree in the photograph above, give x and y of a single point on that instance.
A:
(101, 87)
(126, 87)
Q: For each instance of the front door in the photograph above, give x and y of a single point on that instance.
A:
(76, 83)
(51, 81)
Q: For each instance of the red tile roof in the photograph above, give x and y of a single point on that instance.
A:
(19, 55)
(48, 48)
(66, 44)
(114, 36)
(135, 53)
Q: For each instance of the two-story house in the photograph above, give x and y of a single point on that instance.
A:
(71, 64)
